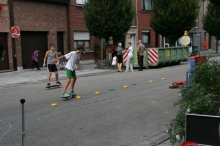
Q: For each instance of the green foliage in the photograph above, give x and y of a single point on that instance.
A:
(171, 18)
(211, 19)
(216, 2)
(202, 97)
(97, 51)
(105, 18)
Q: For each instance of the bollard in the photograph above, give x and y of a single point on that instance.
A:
(23, 127)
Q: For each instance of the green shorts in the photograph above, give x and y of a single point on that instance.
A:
(70, 74)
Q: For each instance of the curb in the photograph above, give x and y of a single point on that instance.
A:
(60, 78)
(155, 140)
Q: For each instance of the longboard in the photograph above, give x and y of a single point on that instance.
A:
(52, 86)
(71, 95)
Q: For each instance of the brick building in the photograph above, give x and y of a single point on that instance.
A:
(145, 33)
(79, 34)
(5, 37)
(41, 22)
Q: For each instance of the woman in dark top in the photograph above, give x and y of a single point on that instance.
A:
(119, 57)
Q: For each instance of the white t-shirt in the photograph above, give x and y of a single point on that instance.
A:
(72, 58)
(130, 52)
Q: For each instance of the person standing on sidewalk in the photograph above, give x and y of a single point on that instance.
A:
(34, 59)
(129, 58)
(140, 53)
(49, 56)
(73, 58)
(119, 56)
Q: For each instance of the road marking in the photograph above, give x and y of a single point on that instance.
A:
(6, 131)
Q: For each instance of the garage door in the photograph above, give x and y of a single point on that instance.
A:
(3, 52)
(30, 41)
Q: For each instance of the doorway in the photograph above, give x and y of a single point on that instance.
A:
(4, 65)
(60, 42)
(30, 41)
(197, 40)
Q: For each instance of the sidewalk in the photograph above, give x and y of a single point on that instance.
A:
(26, 76)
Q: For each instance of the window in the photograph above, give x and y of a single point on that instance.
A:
(82, 38)
(146, 37)
(147, 5)
(80, 2)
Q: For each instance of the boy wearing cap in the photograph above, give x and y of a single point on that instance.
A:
(73, 58)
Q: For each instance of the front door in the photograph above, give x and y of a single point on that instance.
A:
(30, 41)
(197, 41)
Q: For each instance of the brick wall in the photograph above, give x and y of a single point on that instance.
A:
(40, 16)
(144, 24)
(4, 16)
(77, 23)
(5, 28)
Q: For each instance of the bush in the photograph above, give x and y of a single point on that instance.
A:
(201, 97)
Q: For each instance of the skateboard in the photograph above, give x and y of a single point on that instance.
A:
(71, 95)
(52, 86)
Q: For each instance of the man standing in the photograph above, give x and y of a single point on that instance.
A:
(49, 56)
(34, 59)
(140, 52)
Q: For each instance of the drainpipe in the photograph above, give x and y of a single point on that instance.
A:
(68, 25)
(137, 19)
(11, 13)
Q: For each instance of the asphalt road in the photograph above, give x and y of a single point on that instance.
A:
(122, 117)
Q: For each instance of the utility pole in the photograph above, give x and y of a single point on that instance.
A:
(11, 12)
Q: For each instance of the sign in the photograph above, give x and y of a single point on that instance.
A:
(185, 40)
(168, 53)
(15, 32)
(203, 129)
(204, 44)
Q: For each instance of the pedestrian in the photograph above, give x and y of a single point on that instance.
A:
(73, 58)
(52, 66)
(119, 56)
(34, 59)
(140, 51)
(129, 58)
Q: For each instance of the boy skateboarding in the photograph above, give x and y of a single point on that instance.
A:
(73, 58)
(49, 56)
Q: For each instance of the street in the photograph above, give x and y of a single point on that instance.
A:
(122, 117)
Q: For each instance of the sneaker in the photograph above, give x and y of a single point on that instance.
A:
(58, 83)
(48, 84)
(73, 93)
(65, 95)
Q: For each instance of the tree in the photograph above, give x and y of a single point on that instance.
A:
(171, 17)
(211, 20)
(105, 18)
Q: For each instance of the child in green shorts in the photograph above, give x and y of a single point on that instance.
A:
(73, 58)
